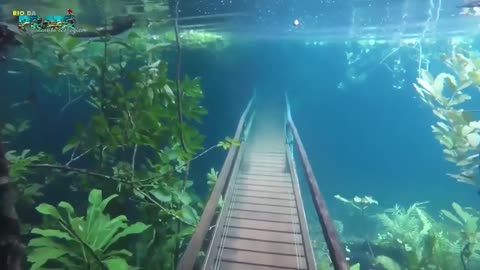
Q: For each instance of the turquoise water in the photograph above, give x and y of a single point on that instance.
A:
(349, 69)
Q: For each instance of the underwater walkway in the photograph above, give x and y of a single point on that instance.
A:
(260, 222)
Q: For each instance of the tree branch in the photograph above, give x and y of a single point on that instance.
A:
(77, 170)
(177, 80)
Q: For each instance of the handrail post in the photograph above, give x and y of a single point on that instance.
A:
(328, 229)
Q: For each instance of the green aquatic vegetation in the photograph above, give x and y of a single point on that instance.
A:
(465, 65)
(82, 242)
(469, 230)
(20, 161)
(457, 131)
(424, 243)
(212, 177)
(11, 130)
(22, 177)
(131, 139)
(387, 263)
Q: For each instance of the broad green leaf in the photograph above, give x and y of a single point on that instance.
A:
(162, 194)
(39, 256)
(33, 190)
(186, 231)
(70, 146)
(116, 264)
(132, 229)
(460, 212)
(184, 197)
(45, 242)
(473, 139)
(471, 226)
(452, 217)
(48, 210)
(355, 267)
(189, 215)
(68, 208)
(52, 233)
(118, 253)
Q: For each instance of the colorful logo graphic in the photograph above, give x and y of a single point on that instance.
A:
(48, 23)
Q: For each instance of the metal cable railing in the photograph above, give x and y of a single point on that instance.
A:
(189, 257)
(337, 255)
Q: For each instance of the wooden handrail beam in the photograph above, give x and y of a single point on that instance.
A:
(335, 249)
(187, 262)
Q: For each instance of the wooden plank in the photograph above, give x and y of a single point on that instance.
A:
(261, 246)
(263, 194)
(274, 174)
(264, 208)
(278, 237)
(270, 178)
(265, 163)
(264, 216)
(286, 190)
(265, 160)
(265, 259)
(262, 169)
(276, 162)
(265, 183)
(263, 225)
(245, 266)
(265, 201)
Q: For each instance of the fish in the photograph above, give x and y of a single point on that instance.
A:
(471, 4)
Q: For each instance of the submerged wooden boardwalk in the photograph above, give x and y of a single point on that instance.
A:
(262, 224)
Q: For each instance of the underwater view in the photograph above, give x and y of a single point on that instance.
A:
(240, 134)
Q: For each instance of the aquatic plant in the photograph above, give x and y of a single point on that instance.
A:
(134, 139)
(20, 175)
(470, 233)
(422, 241)
(457, 131)
(82, 242)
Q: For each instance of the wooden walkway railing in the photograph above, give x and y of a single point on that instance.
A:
(335, 250)
(262, 225)
(189, 257)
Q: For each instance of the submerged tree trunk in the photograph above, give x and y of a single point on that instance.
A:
(11, 248)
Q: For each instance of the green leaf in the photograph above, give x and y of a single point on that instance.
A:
(116, 264)
(52, 233)
(189, 215)
(39, 256)
(33, 190)
(48, 210)
(118, 253)
(186, 231)
(70, 146)
(451, 216)
(355, 267)
(44, 242)
(162, 194)
(136, 228)
(184, 197)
